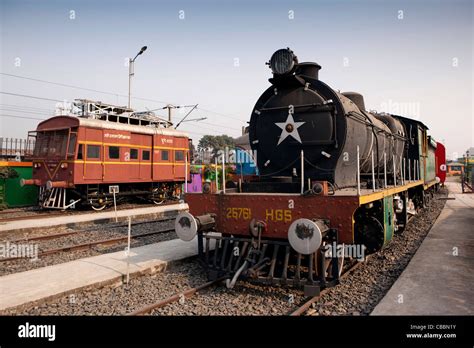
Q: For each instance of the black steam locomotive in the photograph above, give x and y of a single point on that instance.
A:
(300, 112)
(330, 173)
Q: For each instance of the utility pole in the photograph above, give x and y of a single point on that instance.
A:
(131, 72)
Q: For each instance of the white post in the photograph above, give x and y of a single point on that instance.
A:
(128, 247)
(302, 171)
(358, 172)
(409, 170)
(130, 74)
(185, 172)
(394, 171)
(373, 172)
(414, 170)
(385, 169)
(415, 174)
(419, 170)
(115, 206)
(217, 182)
(223, 172)
(401, 169)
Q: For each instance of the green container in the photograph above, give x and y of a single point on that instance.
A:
(11, 193)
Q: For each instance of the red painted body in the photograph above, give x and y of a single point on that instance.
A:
(440, 157)
(71, 151)
(235, 211)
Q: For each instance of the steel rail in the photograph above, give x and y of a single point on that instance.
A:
(176, 297)
(88, 245)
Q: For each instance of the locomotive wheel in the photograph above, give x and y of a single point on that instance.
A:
(370, 232)
(97, 204)
(159, 196)
(98, 207)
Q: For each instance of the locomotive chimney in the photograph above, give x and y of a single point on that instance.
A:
(308, 69)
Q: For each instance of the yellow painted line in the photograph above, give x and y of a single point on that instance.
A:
(114, 144)
(171, 148)
(388, 192)
(15, 164)
(133, 145)
(132, 163)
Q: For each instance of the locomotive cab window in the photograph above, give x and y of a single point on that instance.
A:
(146, 155)
(93, 151)
(164, 155)
(179, 155)
(79, 152)
(114, 152)
(72, 144)
(133, 154)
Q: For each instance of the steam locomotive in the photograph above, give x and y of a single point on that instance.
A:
(331, 173)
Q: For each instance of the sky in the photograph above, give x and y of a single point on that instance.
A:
(413, 58)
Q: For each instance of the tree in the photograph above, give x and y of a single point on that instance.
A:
(214, 143)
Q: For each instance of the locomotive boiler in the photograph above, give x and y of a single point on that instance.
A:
(299, 112)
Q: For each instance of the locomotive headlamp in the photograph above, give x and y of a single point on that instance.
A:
(283, 61)
(63, 165)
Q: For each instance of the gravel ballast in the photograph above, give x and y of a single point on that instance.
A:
(358, 293)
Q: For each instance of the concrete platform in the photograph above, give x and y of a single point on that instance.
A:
(437, 281)
(89, 217)
(45, 283)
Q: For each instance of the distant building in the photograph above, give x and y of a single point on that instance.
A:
(454, 168)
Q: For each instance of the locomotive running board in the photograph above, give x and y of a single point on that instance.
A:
(270, 262)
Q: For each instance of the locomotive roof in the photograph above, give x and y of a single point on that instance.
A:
(407, 119)
(61, 122)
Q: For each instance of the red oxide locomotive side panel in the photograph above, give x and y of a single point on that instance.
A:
(234, 212)
(169, 158)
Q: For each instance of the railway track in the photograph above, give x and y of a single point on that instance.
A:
(31, 217)
(192, 291)
(69, 233)
(84, 246)
(174, 298)
(17, 210)
(306, 305)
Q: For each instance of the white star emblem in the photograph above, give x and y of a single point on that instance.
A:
(289, 128)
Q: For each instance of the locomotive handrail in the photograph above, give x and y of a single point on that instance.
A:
(356, 116)
(324, 107)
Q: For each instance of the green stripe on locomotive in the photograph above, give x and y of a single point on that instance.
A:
(11, 193)
(388, 219)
